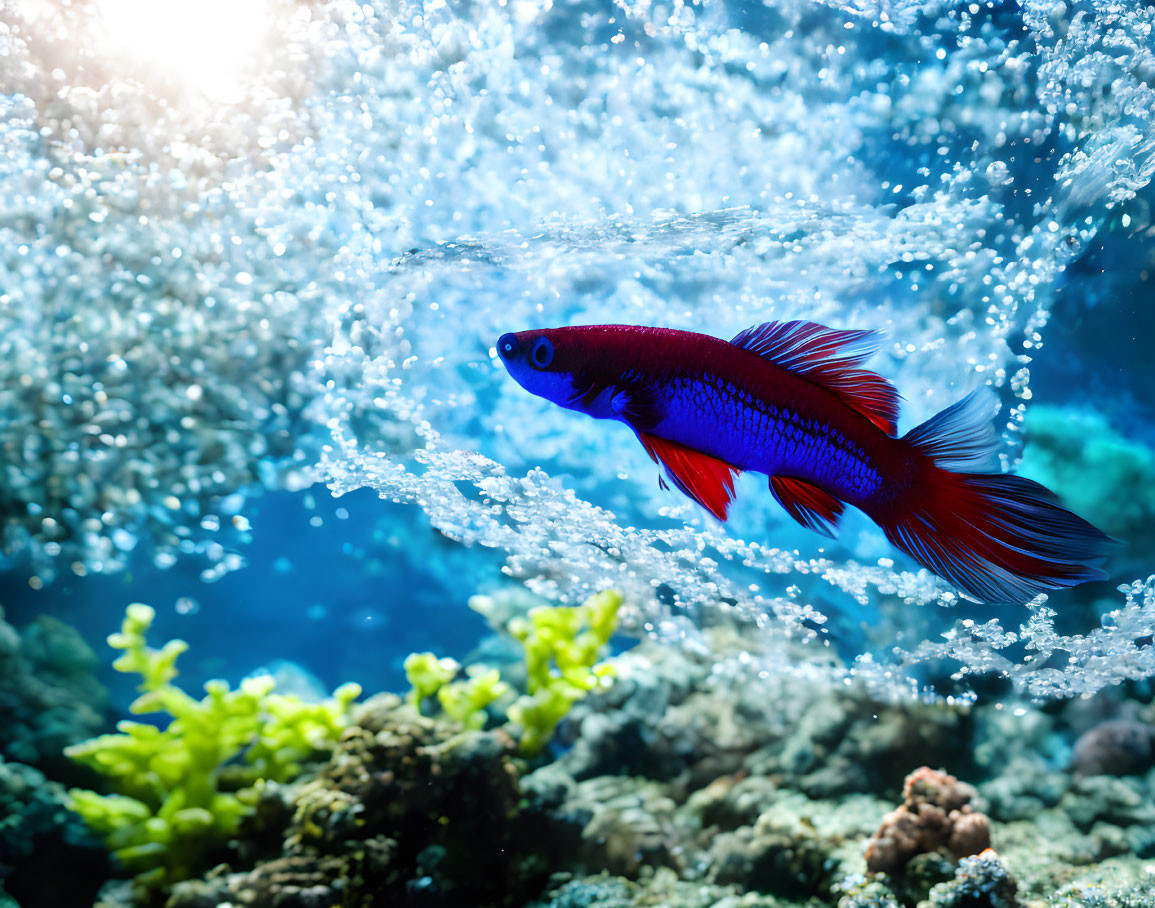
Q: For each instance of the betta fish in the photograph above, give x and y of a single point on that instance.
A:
(789, 400)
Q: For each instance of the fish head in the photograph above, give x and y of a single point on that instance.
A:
(544, 362)
(587, 368)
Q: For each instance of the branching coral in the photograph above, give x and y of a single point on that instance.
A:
(465, 701)
(427, 675)
(562, 646)
(168, 804)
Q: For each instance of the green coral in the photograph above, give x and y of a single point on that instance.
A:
(562, 648)
(562, 645)
(538, 715)
(168, 805)
(427, 675)
(464, 701)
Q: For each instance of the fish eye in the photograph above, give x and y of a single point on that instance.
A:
(542, 354)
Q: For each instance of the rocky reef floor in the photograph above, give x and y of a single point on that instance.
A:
(694, 780)
(698, 783)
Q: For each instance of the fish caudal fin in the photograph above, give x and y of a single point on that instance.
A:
(997, 537)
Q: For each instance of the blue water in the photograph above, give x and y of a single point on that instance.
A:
(346, 597)
(363, 220)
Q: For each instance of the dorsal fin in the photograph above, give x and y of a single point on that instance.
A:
(811, 506)
(708, 480)
(828, 357)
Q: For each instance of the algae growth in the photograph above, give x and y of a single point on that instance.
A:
(182, 789)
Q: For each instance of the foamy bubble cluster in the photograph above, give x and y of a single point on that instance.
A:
(157, 315)
(212, 284)
(921, 191)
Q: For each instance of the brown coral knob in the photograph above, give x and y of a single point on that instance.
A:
(936, 816)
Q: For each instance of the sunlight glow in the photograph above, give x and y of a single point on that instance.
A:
(207, 45)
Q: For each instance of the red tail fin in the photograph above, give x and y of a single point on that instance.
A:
(998, 537)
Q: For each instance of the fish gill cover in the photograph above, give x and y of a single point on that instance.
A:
(224, 275)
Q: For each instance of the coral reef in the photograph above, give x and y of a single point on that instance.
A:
(936, 815)
(693, 781)
(1111, 884)
(562, 649)
(409, 810)
(49, 698)
(170, 804)
(663, 889)
(1117, 748)
(49, 694)
(670, 715)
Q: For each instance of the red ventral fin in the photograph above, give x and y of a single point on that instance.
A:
(811, 506)
(828, 357)
(707, 480)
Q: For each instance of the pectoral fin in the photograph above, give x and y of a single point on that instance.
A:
(707, 480)
(814, 508)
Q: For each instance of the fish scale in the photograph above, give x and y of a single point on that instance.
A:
(786, 441)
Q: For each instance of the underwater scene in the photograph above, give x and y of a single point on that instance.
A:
(577, 453)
